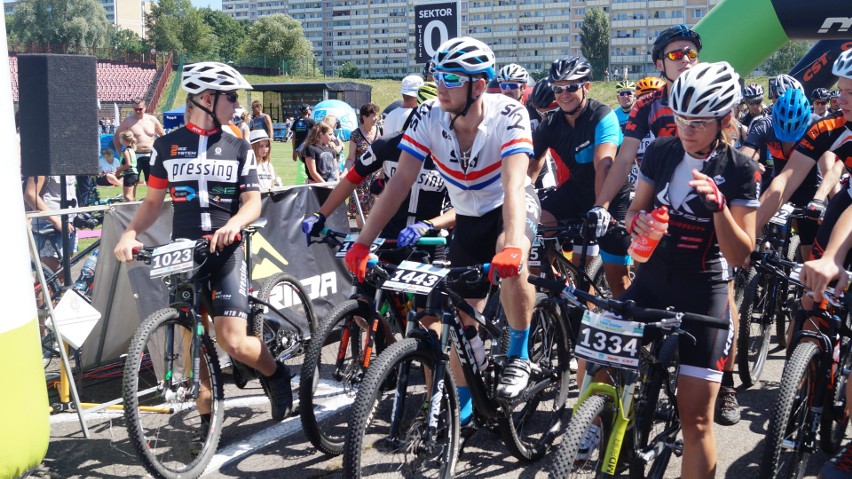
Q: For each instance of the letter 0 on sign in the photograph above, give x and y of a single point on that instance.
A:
(427, 36)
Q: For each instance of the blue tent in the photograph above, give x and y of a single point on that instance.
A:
(173, 118)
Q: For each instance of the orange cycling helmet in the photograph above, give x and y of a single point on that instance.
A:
(649, 84)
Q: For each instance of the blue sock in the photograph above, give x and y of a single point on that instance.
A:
(519, 343)
(465, 404)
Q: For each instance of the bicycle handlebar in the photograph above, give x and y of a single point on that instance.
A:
(627, 309)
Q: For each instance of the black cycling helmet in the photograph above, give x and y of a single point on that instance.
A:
(303, 108)
(820, 94)
(572, 69)
(753, 92)
(429, 69)
(542, 97)
(669, 35)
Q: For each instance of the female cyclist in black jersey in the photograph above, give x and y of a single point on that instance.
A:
(711, 192)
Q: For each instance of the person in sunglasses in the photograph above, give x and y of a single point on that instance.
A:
(481, 145)
(626, 98)
(146, 128)
(753, 98)
(819, 99)
(211, 177)
(551, 174)
(584, 135)
(711, 191)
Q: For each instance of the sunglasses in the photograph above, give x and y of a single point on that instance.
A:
(625, 93)
(138, 109)
(510, 86)
(823, 103)
(694, 125)
(677, 55)
(754, 102)
(231, 96)
(450, 80)
(557, 89)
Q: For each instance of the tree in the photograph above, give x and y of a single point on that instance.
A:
(279, 39)
(125, 40)
(229, 33)
(78, 24)
(594, 37)
(786, 58)
(348, 70)
(175, 25)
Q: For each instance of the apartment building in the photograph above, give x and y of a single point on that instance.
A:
(377, 35)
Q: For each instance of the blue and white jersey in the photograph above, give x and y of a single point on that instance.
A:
(474, 186)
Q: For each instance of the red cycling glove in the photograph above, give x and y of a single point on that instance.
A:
(506, 264)
(356, 260)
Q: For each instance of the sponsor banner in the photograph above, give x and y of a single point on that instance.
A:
(814, 69)
(434, 23)
(815, 19)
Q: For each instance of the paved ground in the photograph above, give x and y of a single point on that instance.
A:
(253, 447)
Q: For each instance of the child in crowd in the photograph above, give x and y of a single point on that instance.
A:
(108, 169)
(128, 165)
(263, 151)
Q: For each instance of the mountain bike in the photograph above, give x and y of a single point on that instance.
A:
(414, 431)
(548, 249)
(631, 421)
(812, 393)
(346, 342)
(161, 405)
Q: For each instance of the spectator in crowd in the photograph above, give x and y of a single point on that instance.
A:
(259, 119)
(145, 129)
(394, 120)
(241, 121)
(288, 123)
(359, 142)
(262, 147)
(102, 125)
(113, 125)
(320, 159)
(335, 142)
(108, 174)
(129, 165)
(44, 193)
(301, 127)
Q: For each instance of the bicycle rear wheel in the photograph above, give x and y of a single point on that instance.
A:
(535, 419)
(784, 455)
(372, 448)
(572, 460)
(286, 339)
(834, 417)
(756, 314)
(331, 374)
(163, 420)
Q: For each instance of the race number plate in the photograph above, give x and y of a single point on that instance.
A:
(609, 341)
(172, 258)
(780, 218)
(537, 251)
(417, 278)
(350, 240)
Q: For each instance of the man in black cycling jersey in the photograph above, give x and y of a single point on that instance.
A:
(584, 135)
(212, 179)
(819, 98)
(753, 98)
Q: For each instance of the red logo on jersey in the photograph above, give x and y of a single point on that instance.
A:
(173, 151)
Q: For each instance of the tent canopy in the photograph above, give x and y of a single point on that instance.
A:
(173, 118)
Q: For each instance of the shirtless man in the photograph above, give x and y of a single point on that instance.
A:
(146, 128)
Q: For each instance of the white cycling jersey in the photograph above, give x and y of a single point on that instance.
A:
(474, 188)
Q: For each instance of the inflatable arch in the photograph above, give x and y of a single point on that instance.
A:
(746, 33)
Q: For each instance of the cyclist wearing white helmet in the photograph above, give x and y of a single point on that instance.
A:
(481, 145)
(513, 80)
(711, 192)
(212, 179)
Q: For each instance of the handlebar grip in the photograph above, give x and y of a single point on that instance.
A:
(548, 284)
(432, 241)
(136, 250)
(372, 263)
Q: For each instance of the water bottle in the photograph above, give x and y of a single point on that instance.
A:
(642, 247)
(87, 275)
(478, 347)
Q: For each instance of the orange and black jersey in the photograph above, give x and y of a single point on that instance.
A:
(651, 114)
(205, 172)
(830, 134)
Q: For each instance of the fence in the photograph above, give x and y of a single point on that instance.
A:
(145, 58)
(161, 84)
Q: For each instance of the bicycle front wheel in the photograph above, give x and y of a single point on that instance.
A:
(785, 455)
(287, 332)
(164, 421)
(388, 433)
(756, 315)
(581, 453)
(834, 417)
(331, 374)
(535, 419)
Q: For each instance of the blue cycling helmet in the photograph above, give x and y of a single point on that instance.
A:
(791, 115)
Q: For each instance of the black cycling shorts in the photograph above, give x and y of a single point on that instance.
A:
(475, 239)
(835, 208)
(143, 164)
(228, 281)
(706, 358)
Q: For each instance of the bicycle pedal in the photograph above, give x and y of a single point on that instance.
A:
(677, 447)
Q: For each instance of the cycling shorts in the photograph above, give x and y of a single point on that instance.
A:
(706, 358)
(228, 281)
(835, 208)
(565, 203)
(143, 165)
(475, 239)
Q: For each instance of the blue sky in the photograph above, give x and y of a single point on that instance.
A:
(214, 4)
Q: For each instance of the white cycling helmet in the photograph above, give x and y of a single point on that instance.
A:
(843, 65)
(465, 55)
(706, 90)
(201, 76)
(780, 84)
(513, 72)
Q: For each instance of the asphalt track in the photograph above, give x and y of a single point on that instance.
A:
(252, 446)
